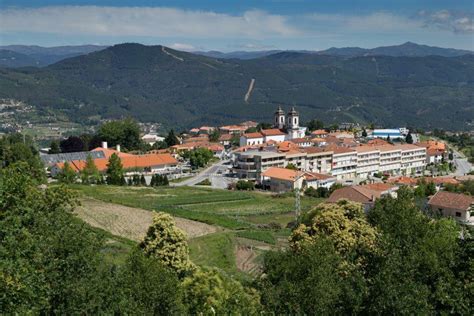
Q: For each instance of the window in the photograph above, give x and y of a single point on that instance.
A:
(458, 214)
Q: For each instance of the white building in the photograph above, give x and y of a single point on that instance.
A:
(344, 163)
(151, 139)
(251, 139)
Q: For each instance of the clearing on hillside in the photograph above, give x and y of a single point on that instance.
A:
(132, 223)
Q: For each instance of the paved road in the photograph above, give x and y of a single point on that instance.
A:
(462, 165)
(210, 173)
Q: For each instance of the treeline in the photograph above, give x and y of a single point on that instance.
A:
(125, 133)
(463, 141)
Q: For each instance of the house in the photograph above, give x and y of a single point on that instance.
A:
(279, 179)
(274, 134)
(302, 142)
(319, 133)
(206, 130)
(456, 205)
(364, 194)
(233, 129)
(282, 179)
(249, 139)
(403, 180)
(225, 139)
(434, 156)
(318, 180)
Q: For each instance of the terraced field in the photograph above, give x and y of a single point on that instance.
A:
(243, 224)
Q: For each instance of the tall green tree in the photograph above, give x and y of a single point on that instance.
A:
(125, 133)
(54, 147)
(214, 136)
(67, 174)
(409, 138)
(171, 139)
(167, 244)
(114, 170)
(90, 173)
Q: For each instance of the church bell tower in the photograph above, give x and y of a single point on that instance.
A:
(279, 118)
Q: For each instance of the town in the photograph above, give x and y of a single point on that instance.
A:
(356, 164)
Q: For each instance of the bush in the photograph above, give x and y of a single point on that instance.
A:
(320, 192)
(243, 185)
(205, 182)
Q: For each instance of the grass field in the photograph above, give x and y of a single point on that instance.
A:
(235, 247)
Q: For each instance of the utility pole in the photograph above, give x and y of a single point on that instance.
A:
(297, 204)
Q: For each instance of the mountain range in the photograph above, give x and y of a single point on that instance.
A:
(179, 89)
(37, 56)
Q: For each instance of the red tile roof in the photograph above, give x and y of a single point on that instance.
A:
(128, 162)
(253, 135)
(443, 199)
(272, 132)
(282, 173)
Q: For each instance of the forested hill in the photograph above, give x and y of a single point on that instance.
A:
(155, 83)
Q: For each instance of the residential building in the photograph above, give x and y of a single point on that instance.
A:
(250, 164)
(364, 194)
(273, 134)
(284, 180)
(455, 205)
(368, 161)
(250, 139)
(233, 129)
(344, 163)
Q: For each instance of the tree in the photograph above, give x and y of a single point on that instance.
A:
(147, 288)
(314, 125)
(388, 139)
(114, 170)
(167, 243)
(320, 192)
(364, 133)
(198, 157)
(291, 166)
(54, 147)
(90, 173)
(171, 139)
(409, 138)
(67, 174)
(418, 261)
(214, 136)
(50, 260)
(344, 223)
(142, 180)
(263, 125)
(306, 282)
(124, 132)
(21, 148)
(72, 144)
(209, 292)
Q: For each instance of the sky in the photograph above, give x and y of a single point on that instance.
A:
(228, 25)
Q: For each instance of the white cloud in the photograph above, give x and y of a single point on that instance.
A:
(375, 22)
(182, 46)
(143, 21)
(457, 22)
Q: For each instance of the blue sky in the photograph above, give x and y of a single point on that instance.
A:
(239, 25)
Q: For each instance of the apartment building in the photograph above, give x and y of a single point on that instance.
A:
(250, 164)
(344, 163)
(368, 161)
(413, 158)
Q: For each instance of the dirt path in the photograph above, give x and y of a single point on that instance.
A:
(132, 223)
(249, 91)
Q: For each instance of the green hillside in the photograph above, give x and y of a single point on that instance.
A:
(154, 83)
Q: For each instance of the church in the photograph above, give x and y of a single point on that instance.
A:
(286, 127)
(290, 125)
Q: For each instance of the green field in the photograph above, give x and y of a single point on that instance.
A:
(243, 215)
